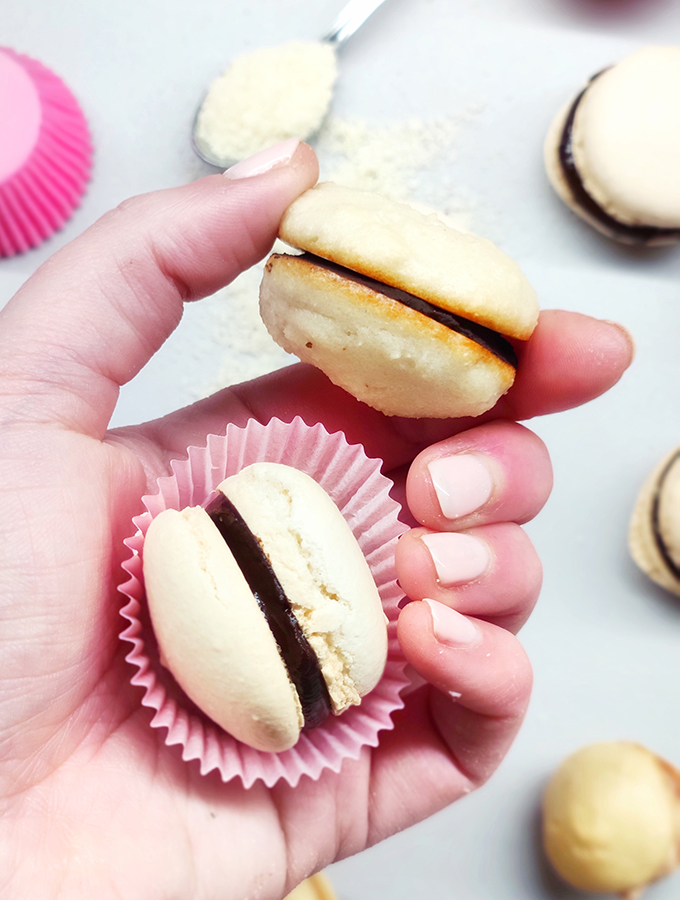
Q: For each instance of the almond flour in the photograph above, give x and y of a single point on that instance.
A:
(267, 96)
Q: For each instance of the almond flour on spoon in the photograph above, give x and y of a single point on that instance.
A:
(273, 94)
(267, 96)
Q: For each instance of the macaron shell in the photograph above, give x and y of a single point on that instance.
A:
(641, 537)
(610, 815)
(316, 887)
(626, 138)
(212, 634)
(382, 352)
(322, 570)
(400, 246)
(555, 173)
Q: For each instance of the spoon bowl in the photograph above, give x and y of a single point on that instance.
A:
(349, 20)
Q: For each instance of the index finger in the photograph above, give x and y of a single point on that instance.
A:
(88, 320)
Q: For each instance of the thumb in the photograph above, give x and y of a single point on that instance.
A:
(94, 314)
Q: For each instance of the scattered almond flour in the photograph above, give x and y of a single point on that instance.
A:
(405, 161)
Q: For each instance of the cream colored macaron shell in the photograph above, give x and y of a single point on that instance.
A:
(400, 246)
(211, 632)
(366, 340)
(610, 818)
(316, 887)
(626, 144)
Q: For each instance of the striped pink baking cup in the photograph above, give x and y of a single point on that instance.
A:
(362, 494)
(45, 153)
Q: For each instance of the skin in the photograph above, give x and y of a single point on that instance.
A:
(92, 803)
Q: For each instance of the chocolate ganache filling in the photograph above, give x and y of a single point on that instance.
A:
(632, 234)
(656, 526)
(298, 656)
(486, 337)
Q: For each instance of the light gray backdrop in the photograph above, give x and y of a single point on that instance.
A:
(604, 642)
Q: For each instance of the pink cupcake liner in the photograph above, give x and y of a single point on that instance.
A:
(362, 493)
(45, 153)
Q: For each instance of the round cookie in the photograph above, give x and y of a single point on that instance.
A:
(316, 887)
(654, 533)
(610, 818)
(263, 606)
(406, 313)
(612, 152)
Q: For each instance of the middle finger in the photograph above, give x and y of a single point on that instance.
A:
(498, 472)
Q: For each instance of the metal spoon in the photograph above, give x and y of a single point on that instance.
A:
(350, 19)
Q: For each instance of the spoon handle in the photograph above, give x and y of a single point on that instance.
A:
(351, 17)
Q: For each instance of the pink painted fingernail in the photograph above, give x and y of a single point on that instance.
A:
(271, 158)
(457, 558)
(462, 483)
(450, 627)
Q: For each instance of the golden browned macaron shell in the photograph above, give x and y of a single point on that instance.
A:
(654, 534)
(403, 311)
(386, 354)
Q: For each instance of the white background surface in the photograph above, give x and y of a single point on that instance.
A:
(604, 641)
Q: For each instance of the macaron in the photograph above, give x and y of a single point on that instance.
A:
(316, 887)
(396, 307)
(654, 533)
(611, 818)
(612, 151)
(45, 153)
(264, 607)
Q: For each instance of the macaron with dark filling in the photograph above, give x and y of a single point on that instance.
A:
(264, 607)
(612, 152)
(406, 313)
(654, 535)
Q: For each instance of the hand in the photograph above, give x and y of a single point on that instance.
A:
(92, 803)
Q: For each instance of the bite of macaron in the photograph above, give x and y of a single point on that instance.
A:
(264, 607)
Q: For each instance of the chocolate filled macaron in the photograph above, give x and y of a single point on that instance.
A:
(263, 606)
(404, 312)
(612, 152)
(654, 535)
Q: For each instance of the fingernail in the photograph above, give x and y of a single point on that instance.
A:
(450, 627)
(457, 557)
(271, 158)
(630, 340)
(462, 483)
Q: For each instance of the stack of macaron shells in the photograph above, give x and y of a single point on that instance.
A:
(264, 607)
(612, 151)
(409, 315)
(45, 153)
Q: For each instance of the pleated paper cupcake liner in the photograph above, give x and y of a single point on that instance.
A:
(43, 176)
(362, 494)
